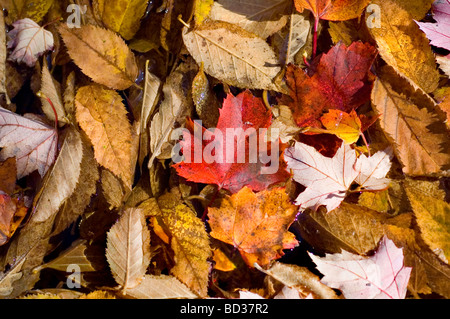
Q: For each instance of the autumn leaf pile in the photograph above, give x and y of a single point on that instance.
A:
(91, 197)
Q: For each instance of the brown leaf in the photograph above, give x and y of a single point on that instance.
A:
(102, 55)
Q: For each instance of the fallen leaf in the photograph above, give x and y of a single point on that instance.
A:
(346, 126)
(123, 17)
(438, 32)
(431, 213)
(102, 115)
(300, 279)
(8, 173)
(328, 179)
(413, 59)
(442, 96)
(61, 180)
(221, 261)
(408, 126)
(128, 249)
(51, 89)
(382, 276)
(102, 55)
(335, 10)
(231, 168)
(246, 60)
(444, 64)
(29, 41)
(261, 17)
(340, 82)
(31, 142)
(349, 227)
(205, 101)
(256, 224)
(161, 287)
(202, 10)
(12, 212)
(19, 9)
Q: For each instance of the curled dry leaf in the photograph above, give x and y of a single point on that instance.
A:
(29, 41)
(128, 249)
(51, 89)
(31, 142)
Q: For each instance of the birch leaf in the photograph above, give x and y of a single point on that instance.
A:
(62, 179)
(29, 41)
(33, 143)
(161, 287)
(261, 17)
(52, 90)
(233, 55)
(413, 59)
(128, 249)
(420, 150)
(102, 55)
(102, 115)
(123, 17)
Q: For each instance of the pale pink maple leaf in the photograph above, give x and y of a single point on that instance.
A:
(439, 32)
(381, 276)
(29, 41)
(327, 180)
(31, 142)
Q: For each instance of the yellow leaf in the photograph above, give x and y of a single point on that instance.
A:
(222, 262)
(404, 47)
(202, 10)
(102, 115)
(344, 125)
(432, 215)
(102, 55)
(20, 9)
(123, 17)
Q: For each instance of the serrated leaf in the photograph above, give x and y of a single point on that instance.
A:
(128, 249)
(261, 17)
(102, 55)
(161, 287)
(61, 181)
(33, 143)
(188, 239)
(123, 17)
(233, 55)
(102, 115)
(413, 59)
(419, 149)
(51, 89)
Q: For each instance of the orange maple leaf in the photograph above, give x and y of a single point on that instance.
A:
(256, 224)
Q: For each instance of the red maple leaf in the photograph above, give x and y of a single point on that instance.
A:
(236, 160)
(341, 82)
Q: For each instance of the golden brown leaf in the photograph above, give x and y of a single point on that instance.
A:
(102, 115)
(102, 55)
(256, 224)
(404, 47)
(420, 150)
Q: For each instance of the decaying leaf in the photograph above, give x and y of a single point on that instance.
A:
(256, 224)
(20, 9)
(51, 89)
(128, 249)
(161, 287)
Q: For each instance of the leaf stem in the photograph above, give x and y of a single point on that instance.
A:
(316, 28)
